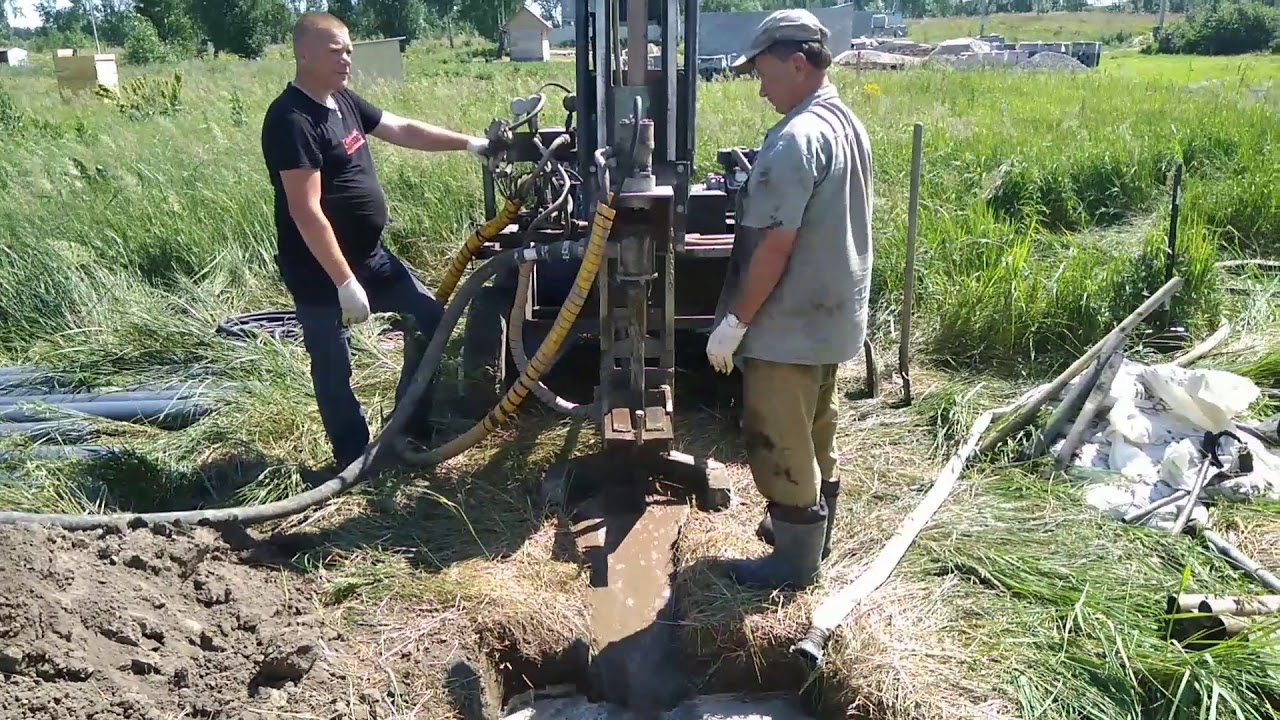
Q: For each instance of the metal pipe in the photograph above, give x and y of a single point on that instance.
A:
(1193, 496)
(909, 274)
(637, 42)
(1109, 363)
(1235, 557)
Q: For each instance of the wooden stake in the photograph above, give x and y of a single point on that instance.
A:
(909, 274)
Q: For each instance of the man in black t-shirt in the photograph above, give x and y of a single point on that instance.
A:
(330, 212)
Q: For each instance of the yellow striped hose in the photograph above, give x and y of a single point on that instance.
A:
(483, 234)
(592, 257)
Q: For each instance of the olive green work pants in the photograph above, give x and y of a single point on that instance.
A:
(789, 426)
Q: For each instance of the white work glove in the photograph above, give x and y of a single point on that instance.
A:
(724, 342)
(477, 146)
(354, 302)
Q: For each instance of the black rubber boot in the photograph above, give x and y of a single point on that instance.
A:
(797, 551)
(830, 493)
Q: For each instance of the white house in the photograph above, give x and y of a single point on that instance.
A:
(13, 56)
(528, 37)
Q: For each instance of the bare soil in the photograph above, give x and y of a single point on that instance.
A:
(148, 625)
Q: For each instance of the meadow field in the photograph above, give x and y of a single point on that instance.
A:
(131, 229)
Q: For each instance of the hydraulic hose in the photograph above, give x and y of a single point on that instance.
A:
(350, 475)
(592, 257)
(490, 230)
(515, 339)
(483, 234)
(515, 321)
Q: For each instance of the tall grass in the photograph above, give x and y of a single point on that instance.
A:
(1042, 201)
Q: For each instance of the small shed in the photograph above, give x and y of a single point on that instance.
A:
(79, 73)
(375, 60)
(13, 56)
(528, 36)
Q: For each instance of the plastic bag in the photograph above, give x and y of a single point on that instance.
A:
(1208, 398)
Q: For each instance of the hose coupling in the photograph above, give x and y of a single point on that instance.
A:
(563, 250)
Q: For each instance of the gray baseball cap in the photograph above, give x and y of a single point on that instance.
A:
(783, 25)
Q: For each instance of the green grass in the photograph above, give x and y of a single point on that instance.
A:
(1110, 28)
(1044, 207)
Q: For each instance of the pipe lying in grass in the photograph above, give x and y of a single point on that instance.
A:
(1109, 365)
(59, 452)
(82, 398)
(1241, 606)
(50, 431)
(1041, 396)
(836, 607)
(909, 273)
(1199, 632)
(166, 414)
(1233, 555)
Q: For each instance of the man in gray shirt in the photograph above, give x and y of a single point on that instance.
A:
(794, 302)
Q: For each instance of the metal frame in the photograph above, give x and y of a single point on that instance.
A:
(668, 231)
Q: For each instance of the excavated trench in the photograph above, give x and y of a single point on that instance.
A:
(636, 663)
(638, 660)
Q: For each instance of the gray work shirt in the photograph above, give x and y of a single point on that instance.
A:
(812, 175)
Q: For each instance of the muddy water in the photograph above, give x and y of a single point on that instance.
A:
(711, 707)
(635, 660)
(636, 668)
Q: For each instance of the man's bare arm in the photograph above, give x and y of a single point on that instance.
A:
(302, 188)
(417, 135)
(767, 264)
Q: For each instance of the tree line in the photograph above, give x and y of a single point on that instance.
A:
(154, 30)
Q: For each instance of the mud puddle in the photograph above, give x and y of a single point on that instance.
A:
(635, 672)
(711, 707)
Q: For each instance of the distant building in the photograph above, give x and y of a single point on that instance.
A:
(13, 56)
(528, 37)
(725, 33)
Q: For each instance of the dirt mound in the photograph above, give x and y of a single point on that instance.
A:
(148, 625)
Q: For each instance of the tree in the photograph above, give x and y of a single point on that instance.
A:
(239, 27)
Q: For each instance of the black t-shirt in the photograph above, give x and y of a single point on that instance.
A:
(299, 132)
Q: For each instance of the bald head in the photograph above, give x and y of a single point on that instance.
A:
(313, 24)
(321, 52)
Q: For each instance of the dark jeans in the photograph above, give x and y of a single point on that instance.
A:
(325, 340)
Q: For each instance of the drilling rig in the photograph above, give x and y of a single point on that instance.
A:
(628, 137)
(630, 127)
